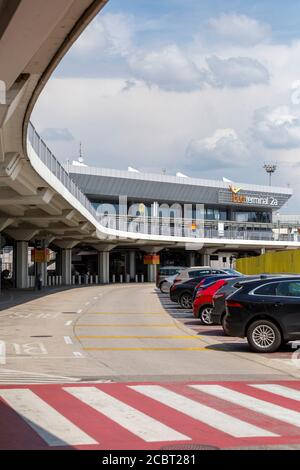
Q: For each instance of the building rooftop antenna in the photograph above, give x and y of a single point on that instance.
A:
(80, 158)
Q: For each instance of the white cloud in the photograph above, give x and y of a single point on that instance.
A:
(52, 133)
(223, 149)
(168, 68)
(111, 33)
(240, 28)
(237, 72)
(277, 127)
(172, 69)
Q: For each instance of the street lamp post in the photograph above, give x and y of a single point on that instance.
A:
(270, 168)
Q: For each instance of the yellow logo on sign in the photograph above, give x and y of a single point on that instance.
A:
(234, 190)
(237, 198)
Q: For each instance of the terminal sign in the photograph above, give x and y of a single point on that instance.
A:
(238, 198)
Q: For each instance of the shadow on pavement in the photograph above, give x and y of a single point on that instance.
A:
(13, 297)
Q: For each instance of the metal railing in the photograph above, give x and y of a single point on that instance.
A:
(47, 157)
(162, 226)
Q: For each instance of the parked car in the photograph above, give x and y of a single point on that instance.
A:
(183, 292)
(266, 311)
(166, 284)
(230, 286)
(210, 279)
(234, 272)
(165, 272)
(196, 271)
(203, 303)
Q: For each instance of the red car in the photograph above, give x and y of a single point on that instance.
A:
(203, 303)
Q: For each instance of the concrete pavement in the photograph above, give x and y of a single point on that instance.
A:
(122, 333)
(120, 367)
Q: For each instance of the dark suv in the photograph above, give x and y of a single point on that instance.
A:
(231, 285)
(266, 311)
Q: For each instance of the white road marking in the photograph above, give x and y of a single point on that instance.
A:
(77, 354)
(79, 311)
(138, 423)
(69, 323)
(49, 424)
(214, 418)
(285, 392)
(251, 403)
(2, 353)
(68, 340)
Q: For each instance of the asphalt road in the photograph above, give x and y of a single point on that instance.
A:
(121, 333)
(121, 367)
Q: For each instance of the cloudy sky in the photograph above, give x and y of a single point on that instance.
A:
(209, 89)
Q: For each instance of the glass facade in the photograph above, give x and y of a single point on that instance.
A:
(210, 213)
(251, 216)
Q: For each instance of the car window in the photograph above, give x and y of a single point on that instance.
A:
(267, 289)
(200, 272)
(289, 289)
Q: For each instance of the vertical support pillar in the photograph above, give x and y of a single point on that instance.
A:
(152, 272)
(66, 258)
(21, 264)
(132, 265)
(41, 270)
(58, 262)
(192, 258)
(206, 259)
(103, 267)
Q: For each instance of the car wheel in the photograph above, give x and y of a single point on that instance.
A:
(186, 301)
(205, 315)
(264, 336)
(164, 287)
(223, 323)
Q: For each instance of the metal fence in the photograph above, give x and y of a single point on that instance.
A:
(47, 157)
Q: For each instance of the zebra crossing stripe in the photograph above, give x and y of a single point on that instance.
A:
(281, 390)
(138, 423)
(254, 404)
(210, 416)
(49, 424)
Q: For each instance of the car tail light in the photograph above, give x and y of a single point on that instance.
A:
(172, 287)
(232, 303)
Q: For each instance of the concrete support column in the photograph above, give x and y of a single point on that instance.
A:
(103, 267)
(41, 270)
(58, 262)
(66, 258)
(152, 272)
(21, 264)
(206, 259)
(192, 259)
(132, 265)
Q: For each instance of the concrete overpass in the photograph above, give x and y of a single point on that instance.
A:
(37, 197)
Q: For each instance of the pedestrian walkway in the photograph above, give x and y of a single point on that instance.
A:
(149, 416)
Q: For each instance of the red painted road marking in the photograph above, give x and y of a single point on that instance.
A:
(101, 416)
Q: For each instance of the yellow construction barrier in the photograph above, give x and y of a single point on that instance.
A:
(274, 262)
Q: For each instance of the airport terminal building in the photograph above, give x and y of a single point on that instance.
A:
(244, 213)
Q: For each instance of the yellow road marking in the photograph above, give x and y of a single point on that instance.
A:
(138, 337)
(145, 349)
(128, 325)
